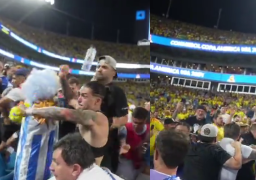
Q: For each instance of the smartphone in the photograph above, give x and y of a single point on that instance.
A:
(152, 127)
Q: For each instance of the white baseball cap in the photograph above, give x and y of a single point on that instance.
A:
(108, 60)
(208, 131)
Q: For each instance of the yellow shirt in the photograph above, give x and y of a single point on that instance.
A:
(158, 126)
(220, 135)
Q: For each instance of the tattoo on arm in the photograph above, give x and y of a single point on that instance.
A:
(84, 117)
(252, 155)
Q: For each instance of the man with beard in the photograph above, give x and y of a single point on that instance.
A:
(199, 118)
(114, 107)
(93, 124)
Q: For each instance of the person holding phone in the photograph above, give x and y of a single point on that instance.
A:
(134, 139)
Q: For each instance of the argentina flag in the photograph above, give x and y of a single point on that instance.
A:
(35, 149)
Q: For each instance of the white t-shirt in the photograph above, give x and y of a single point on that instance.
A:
(226, 118)
(95, 173)
(15, 95)
(227, 173)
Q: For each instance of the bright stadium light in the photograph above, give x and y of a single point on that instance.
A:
(50, 1)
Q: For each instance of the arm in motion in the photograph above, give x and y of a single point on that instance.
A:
(67, 91)
(84, 117)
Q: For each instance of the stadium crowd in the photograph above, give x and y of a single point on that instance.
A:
(119, 153)
(83, 128)
(76, 47)
(181, 30)
(13, 46)
(220, 134)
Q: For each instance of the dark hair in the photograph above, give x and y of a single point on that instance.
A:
(140, 113)
(75, 150)
(97, 88)
(232, 130)
(184, 124)
(172, 147)
(73, 80)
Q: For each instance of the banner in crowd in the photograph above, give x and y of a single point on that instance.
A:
(243, 49)
(70, 59)
(203, 75)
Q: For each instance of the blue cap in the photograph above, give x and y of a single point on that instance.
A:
(22, 72)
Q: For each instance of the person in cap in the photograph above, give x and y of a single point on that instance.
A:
(169, 123)
(115, 107)
(205, 159)
(106, 70)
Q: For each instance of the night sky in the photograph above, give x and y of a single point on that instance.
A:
(238, 15)
(105, 16)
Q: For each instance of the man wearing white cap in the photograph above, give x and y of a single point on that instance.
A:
(115, 108)
(205, 159)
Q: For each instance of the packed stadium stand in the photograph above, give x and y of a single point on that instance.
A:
(182, 73)
(180, 30)
(75, 47)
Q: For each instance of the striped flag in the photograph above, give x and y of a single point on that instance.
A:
(35, 149)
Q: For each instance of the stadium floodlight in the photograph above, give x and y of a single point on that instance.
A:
(50, 1)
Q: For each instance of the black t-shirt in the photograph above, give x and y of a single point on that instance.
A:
(114, 105)
(247, 170)
(204, 162)
(192, 121)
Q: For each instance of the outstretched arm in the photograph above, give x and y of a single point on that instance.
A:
(84, 117)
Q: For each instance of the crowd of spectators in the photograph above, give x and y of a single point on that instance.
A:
(13, 46)
(181, 30)
(214, 122)
(165, 99)
(136, 94)
(77, 47)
